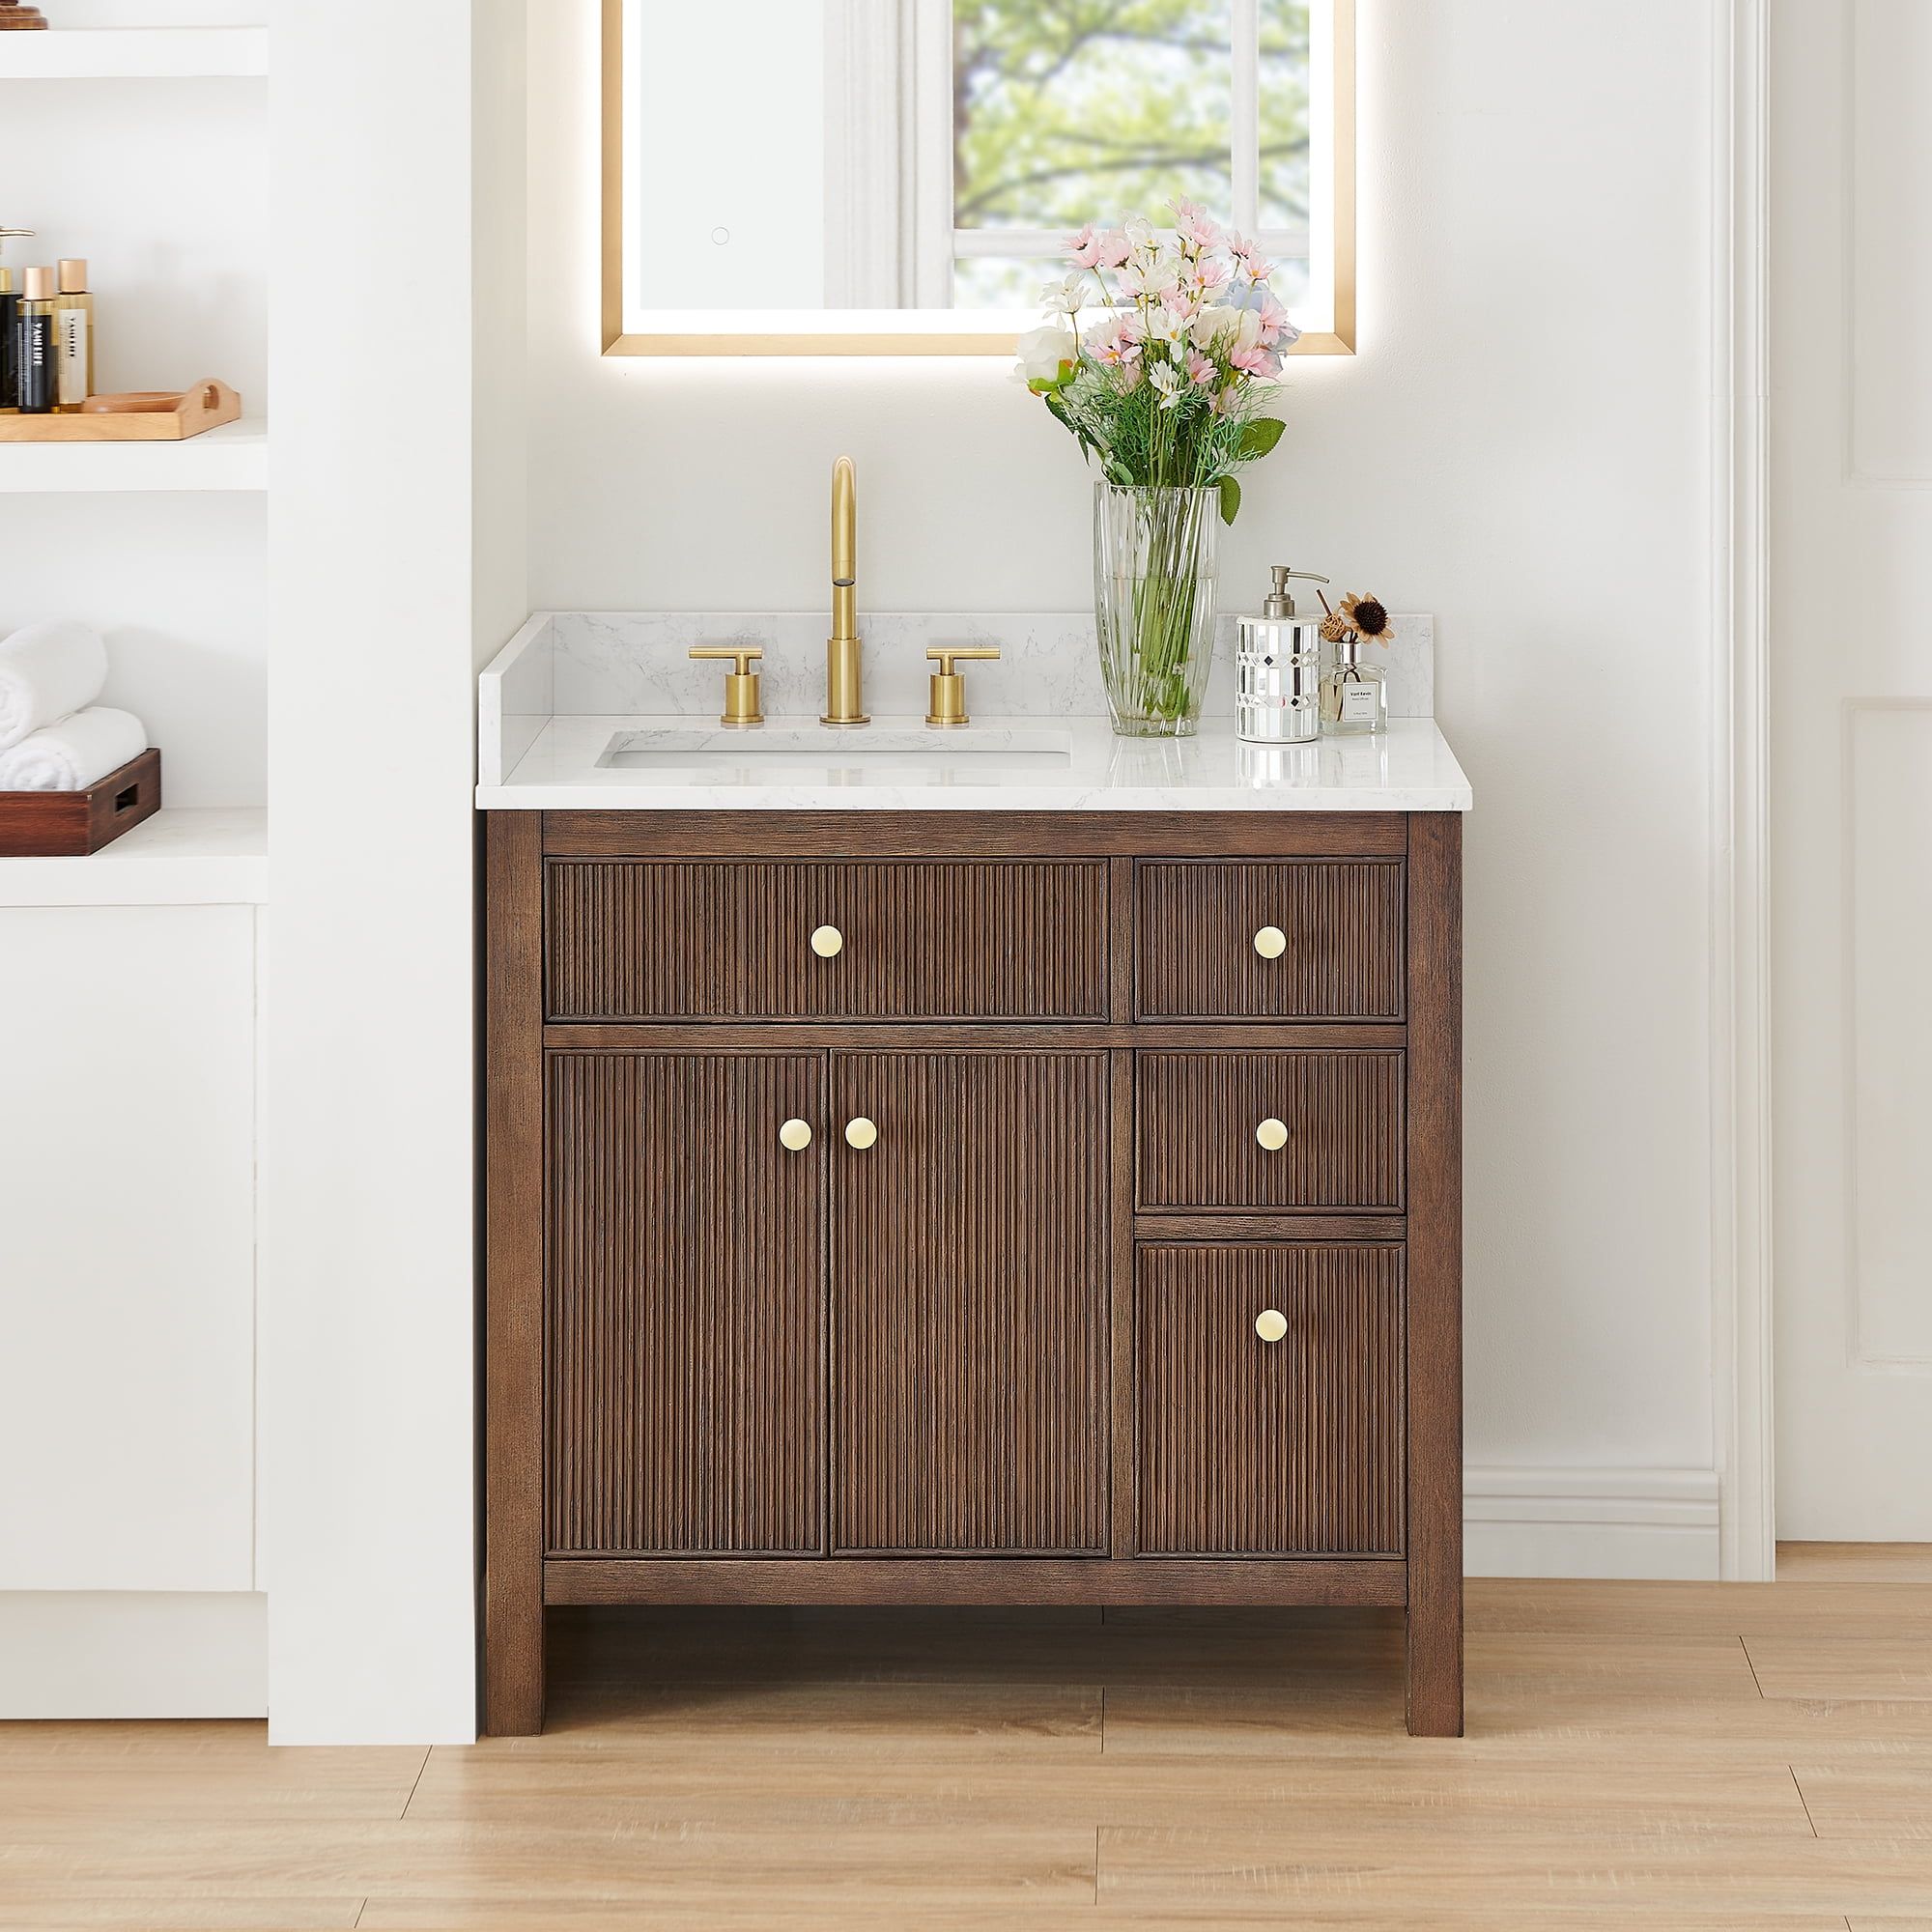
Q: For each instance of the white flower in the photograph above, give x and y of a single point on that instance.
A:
(1139, 231)
(1047, 355)
(1063, 298)
(1210, 325)
(1167, 380)
(1151, 279)
(1164, 324)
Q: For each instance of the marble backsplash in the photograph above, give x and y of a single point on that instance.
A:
(632, 663)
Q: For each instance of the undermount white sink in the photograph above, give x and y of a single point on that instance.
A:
(862, 751)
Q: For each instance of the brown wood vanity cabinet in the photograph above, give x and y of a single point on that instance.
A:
(974, 1208)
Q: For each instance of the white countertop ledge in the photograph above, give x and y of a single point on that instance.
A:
(995, 764)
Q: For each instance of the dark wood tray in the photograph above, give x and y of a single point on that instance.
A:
(75, 824)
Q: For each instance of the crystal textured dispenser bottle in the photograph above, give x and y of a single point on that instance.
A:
(1278, 670)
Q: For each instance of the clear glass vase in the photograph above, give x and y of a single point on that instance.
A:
(1155, 554)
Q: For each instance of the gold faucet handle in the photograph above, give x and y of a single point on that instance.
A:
(945, 656)
(740, 682)
(742, 656)
(947, 702)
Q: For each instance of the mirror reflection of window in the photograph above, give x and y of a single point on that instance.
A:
(1089, 109)
(883, 154)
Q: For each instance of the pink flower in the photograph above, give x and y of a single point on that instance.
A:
(1192, 223)
(1248, 258)
(1260, 361)
(1116, 340)
(1210, 273)
(1201, 370)
(1112, 248)
(1084, 247)
(1274, 317)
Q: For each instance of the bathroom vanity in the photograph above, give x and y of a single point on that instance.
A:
(977, 1181)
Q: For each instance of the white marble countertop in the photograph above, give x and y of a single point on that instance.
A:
(655, 763)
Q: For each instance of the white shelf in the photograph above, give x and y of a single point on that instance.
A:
(176, 858)
(135, 53)
(234, 457)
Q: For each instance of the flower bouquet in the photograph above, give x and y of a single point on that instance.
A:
(1164, 391)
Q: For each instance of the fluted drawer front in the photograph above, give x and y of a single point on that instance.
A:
(1285, 1448)
(970, 1285)
(1343, 1114)
(1341, 921)
(685, 1319)
(932, 939)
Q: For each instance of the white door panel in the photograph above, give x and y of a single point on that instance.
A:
(1851, 764)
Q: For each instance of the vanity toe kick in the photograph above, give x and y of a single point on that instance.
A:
(974, 1208)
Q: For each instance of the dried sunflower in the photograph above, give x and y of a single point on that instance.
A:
(1358, 617)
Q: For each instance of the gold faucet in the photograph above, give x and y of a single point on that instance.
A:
(844, 699)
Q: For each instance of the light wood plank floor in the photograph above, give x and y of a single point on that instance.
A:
(1676, 1756)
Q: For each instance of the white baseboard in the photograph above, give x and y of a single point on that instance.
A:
(132, 1654)
(1591, 1523)
(128, 1654)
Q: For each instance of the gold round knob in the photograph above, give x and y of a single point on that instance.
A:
(1270, 942)
(1270, 1325)
(861, 1134)
(1272, 1134)
(795, 1136)
(828, 942)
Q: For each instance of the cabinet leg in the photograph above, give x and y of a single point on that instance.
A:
(513, 1671)
(1435, 1663)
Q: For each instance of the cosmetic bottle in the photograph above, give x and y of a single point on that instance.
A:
(1355, 690)
(9, 316)
(34, 356)
(73, 338)
(1278, 670)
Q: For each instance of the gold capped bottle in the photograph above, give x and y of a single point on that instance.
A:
(10, 322)
(34, 360)
(73, 337)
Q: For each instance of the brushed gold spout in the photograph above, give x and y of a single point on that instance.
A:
(844, 700)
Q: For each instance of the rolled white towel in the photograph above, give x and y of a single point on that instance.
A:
(47, 671)
(76, 753)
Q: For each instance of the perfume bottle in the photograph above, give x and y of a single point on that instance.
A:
(34, 345)
(1355, 690)
(1278, 670)
(9, 319)
(73, 338)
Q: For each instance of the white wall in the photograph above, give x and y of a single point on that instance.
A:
(368, 1298)
(1521, 447)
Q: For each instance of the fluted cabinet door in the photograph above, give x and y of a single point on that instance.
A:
(1282, 1439)
(970, 1259)
(686, 1309)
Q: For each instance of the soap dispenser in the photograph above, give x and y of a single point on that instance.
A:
(1278, 668)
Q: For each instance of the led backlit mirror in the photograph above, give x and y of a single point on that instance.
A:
(894, 177)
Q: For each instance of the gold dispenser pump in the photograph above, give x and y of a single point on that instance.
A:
(844, 696)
